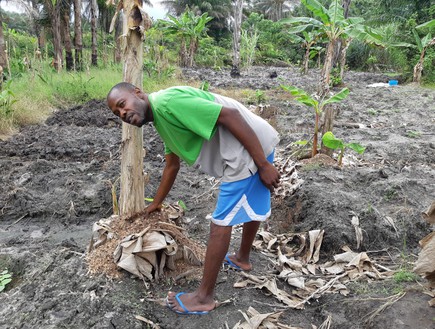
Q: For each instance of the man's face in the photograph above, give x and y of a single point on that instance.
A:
(128, 106)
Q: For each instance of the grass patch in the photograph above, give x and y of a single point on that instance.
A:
(404, 275)
(38, 92)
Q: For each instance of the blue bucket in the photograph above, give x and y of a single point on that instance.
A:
(393, 82)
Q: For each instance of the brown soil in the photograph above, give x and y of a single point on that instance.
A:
(55, 185)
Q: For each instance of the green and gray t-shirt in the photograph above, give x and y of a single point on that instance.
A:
(185, 118)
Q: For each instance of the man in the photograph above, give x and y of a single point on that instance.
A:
(224, 139)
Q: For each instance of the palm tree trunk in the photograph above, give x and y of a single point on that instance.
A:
(37, 28)
(3, 58)
(238, 6)
(117, 55)
(54, 13)
(94, 55)
(78, 34)
(131, 198)
(69, 62)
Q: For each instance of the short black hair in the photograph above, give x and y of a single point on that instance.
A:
(122, 86)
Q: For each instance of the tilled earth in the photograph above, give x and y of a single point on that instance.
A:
(56, 182)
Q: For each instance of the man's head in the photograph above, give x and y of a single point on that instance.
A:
(129, 103)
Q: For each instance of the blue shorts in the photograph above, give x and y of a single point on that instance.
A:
(242, 201)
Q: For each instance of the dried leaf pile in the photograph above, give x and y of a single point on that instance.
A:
(290, 181)
(158, 245)
(295, 260)
(256, 320)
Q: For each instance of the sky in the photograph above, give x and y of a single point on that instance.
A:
(156, 12)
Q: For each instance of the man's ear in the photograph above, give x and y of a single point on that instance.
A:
(137, 91)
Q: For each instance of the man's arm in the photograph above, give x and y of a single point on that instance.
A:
(236, 124)
(168, 178)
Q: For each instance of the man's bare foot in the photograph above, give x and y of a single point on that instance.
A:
(245, 266)
(190, 303)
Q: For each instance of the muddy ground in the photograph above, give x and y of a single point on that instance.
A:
(55, 183)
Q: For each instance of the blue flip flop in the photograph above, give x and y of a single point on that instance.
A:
(185, 310)
(229, 263)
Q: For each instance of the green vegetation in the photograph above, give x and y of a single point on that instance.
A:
(413, 134)
(332, 142)
(405, 276)
(302, 97)
(384, 36)
(21, 105)
(5, 278)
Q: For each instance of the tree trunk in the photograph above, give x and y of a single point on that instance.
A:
(131, 198)
(37, 28)
(94, 56)
(418, 68)
(184, 56)
(69, 62)
(192, 51)
(326, 70)
(78, 34)
(238, 6)
(342, 44)
(327, 124)
(329, 111)
(306, 61)
(346, 5)
(3, 55)
(343, 51)
(54, 12)
(117, 55)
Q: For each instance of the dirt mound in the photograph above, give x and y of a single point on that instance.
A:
(56, 181)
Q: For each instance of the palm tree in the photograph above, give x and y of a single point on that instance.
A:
(53, 10)
(66, 33)
(220, 10)
(3, 58)
(273, 9)
(78, 34)
(94, 55)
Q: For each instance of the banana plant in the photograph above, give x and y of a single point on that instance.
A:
(333, 25)
(302, 97)
(307, 41)
(189, 28)
(332, 142)
(422, 44)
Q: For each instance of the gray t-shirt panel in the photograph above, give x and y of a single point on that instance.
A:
(224, 156)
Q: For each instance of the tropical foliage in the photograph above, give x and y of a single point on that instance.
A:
(317, 105)
(78, 36)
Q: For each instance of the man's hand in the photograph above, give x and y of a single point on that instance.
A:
(236, 124)
(151, 208)
(269, 175)
(168, 177)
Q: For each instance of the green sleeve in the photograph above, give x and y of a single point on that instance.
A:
(196, 114)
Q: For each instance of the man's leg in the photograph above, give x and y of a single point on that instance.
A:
(241, 257)
(202, 299)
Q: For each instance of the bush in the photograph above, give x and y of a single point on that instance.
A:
(212, 55)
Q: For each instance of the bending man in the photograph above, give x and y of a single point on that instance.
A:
(225, 140)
